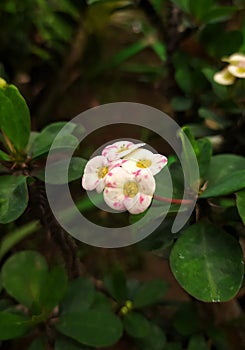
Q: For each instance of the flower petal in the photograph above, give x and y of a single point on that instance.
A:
(117, 177)
(236, 71)
(114, 198)
(138, 204)
(224, 77)
(119, 149)
(90, 181)
(146, 182)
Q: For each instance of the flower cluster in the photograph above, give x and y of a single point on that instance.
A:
(235, 69)
(125, 174)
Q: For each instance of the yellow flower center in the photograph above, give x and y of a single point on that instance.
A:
(143, 163)
(102, 172)
(130, 189)
(240, 70)
(122, 149)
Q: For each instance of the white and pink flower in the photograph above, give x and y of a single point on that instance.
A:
(95, 173)
(120, 149)
(145, 159)
(125, 175)
(129, 191)
(235, 69)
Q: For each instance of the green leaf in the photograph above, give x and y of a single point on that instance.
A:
(44, 140)
(56, 174)
(183, 4)
(197, 341)
(14, 117)
(218, 14)
(79, 296)
(186, 319)
(156, 340)
(65, 343)
(116, 285)
(136, 325)
(207, 262)
(204, 156)
(181, 103)
(4, 156)
(149, 293)
(223, 168)
(11, 239)
(200, 7)
(53, 289)
(13, 325)
(98, 328)
(23, 276)
(184, 79)
(228, 185)
(13, 197)
(240, 202)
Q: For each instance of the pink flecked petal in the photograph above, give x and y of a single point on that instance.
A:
(114, 198)
(117, 177)
(146, 182)
(89, 181)
(158, 163)
(139, 205)
(115, 151)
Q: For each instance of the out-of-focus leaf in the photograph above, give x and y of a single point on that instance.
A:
(12, 238)
(149, 293)
(218, 14)
(116, 285)
(13, 197)
(156, 340)
(13, 325)
(94, 327)
(197, 341)
(240, 202)
(136, 325)
(4, 156)
(23, 276)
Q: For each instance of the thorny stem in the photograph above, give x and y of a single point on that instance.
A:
(173, 200)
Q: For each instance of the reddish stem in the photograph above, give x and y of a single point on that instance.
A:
(173, 200)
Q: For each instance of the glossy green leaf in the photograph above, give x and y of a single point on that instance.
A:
(149, 293)
(204, 156)
(98, 328)
(79, 296)
(11, 239)
(184, 79)
(227, 185)
(44, 140)
(116, 285)
(13, 197)
(207, 262)
(136, 325)
(197, 341)
(155, 340)
(23, 276)
(240, 202)
(14, 117)
(226, 175)
(4, 156)
(53, 289)
(13, 325)
(56, 173)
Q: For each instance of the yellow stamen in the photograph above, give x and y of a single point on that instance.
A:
(130, 189)
(143, 163)
(240, 70)
(102, 172)
(122, 149)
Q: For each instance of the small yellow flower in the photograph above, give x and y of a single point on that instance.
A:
(3, 83)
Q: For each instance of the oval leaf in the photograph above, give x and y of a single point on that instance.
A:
(92, 327)
(23, 276)
(56, 173)
(136, 325)
(13, 197)
(149, 293)
(13, 325)
(240, 202)
(14, 117)
(207, 262)
(156, 340)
